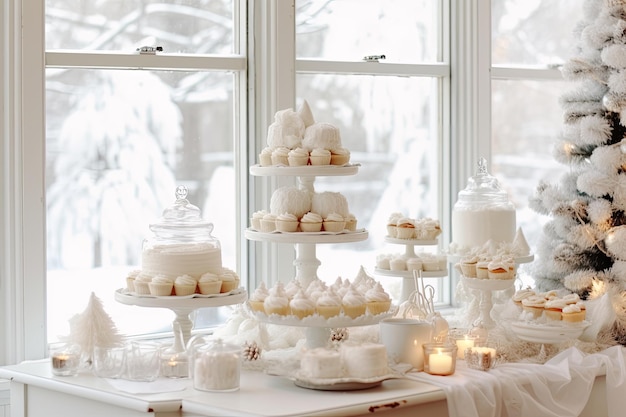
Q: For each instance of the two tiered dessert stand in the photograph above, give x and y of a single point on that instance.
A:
(408, 280)
(306, 263)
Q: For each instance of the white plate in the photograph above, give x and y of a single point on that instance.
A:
(318, 321)
(548, 332)
(236, 296)
(304, 237)
(304, 171)
(411, 242)
(409, 274)
(340, 384)
(488, 284)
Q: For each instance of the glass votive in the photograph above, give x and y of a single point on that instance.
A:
(143, 361)
(462, 342)
(109, 362)
(439, 358)
(65, 360)
(480, 357)
(217, 367)
(174, 364)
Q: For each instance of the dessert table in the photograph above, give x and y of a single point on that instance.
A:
(36, 392)
(571, 383)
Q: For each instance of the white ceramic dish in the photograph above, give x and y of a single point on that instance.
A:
(340, 384)
(548, 332)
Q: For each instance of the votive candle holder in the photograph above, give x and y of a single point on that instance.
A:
(440, 358)
(480, 357)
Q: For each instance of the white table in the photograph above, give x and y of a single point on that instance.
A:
(36, 392)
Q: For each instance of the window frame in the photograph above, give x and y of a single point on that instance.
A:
(271, 57)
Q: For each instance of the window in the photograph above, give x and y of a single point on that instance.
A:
(460, 79)
(123, 130)
(389, 113)
(530, 40)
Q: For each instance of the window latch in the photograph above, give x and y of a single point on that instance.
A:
(149, 50)
(373, 58)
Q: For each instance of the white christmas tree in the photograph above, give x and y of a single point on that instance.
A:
(93, 327)
(583, 246)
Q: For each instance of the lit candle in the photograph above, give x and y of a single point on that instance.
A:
(64, 363)
(440, 358)
(175, 366)
(462, 343)
(483, 358)
(439, 363)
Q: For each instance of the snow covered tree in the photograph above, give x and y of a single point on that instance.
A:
(92, 328)
(583, 245)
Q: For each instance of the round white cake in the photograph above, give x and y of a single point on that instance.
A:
(321, 363)
(193, 259)
(367, 360)
(472, 228)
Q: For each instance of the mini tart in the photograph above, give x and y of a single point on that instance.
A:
(574, 313)
(535, 305)
(482, 270)
(498, 273)
(405, 229)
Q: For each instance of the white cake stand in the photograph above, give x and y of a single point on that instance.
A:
(318, 328)
(183, 306)
(486, 288)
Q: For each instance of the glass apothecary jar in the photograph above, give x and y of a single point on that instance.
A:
(483, 211)
(182, 242)
(216, 366)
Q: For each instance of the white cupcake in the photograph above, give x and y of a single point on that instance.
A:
(287, 223)
(334, 223)
(320, 156)
(265, 157)
(255, 221)
(280, 156)
(209, 283)
(161, 285)
(311, 222)
(268, 223)
(185, 285)
(298, 157)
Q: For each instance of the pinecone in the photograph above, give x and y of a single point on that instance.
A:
(337, 335)
(251, 351)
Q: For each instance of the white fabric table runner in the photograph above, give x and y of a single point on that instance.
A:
(558, 388)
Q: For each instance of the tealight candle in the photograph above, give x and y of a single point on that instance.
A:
(464, 342)
(175, 366)
(482, 358)
(439, 358)
(64, 362)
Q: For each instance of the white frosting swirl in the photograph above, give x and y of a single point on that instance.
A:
(311, 217)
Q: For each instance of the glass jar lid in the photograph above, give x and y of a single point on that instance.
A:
(182, 218)
(483, 185)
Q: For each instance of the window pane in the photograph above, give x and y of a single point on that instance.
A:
(179, 26)
(527, 119)
(533, 32)
(390, 126)
(118, 143)
(347, 30)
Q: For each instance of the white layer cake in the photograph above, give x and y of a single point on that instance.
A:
(471, 228)
(193, 259)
